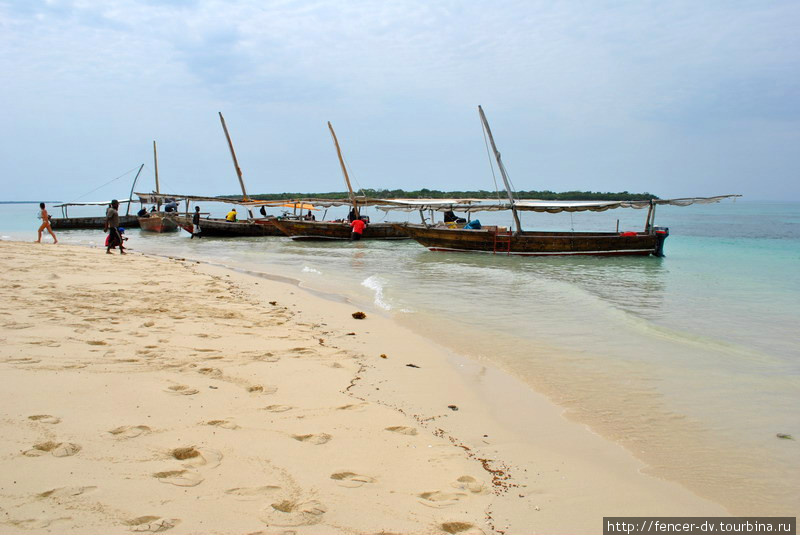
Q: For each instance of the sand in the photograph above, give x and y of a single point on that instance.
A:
(147, 394)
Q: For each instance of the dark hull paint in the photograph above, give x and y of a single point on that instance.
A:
(73, 223)
(157, 222)
(220, 228)
(328, 230)
(537, 243)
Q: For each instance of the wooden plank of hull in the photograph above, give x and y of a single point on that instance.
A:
(324, 230)
(534, 243)
(74, 223)
(156, 222)
(220, 228)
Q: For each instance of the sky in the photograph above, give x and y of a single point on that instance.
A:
(674, 98)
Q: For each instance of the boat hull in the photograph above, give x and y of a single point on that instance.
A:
(487, 240)
(158, 222)
(75, 223)
(220, 228)
(331, 230)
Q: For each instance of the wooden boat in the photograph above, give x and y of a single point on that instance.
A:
(65, 222)
(221, 228)
(157, 221)
(305, 230)
(497, 240)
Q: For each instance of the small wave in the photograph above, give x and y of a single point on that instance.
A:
(375, 284)
(307, 269)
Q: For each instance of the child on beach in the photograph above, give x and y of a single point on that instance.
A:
(45, 217)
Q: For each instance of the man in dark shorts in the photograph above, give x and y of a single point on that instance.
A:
(358, 228)
(112, 227)
(196, 223)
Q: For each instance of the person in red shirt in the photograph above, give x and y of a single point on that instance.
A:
(358, 228)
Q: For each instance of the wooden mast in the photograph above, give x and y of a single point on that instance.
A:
(344, 171)
(128, 211)
(502, 170)
(235, 162)
(155, 165)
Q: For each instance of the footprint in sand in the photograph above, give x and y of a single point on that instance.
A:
(96, 342)
(252, 493)
(403, 430)
(290, 513)
(45, 419)
(197, 456)
(66, 492)
(278, 408)
(464, 528)
(56, 449)
(261, 389)
(351, 480)
(152, 524)
(211, 372)
(352, 407)
(469, 484)
(316, 439)
(130, 431)
(36, 523)
(438, 499)
(224, 424)
(180, 478)
(182, 390)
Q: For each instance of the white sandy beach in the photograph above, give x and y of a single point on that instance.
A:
(154, 394)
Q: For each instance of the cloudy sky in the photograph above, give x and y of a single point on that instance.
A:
(676, 98)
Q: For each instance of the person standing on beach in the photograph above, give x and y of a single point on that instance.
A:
(45, 217)
(112, 227)
(196, 223)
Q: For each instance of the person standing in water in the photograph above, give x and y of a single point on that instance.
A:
(196, 223)
(45, 217)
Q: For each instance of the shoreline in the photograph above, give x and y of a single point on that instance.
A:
(535, 470)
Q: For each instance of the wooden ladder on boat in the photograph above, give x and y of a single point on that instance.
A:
(502, 242)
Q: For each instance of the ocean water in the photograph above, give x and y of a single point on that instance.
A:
(691, 361)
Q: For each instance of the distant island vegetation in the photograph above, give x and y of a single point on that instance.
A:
(479, 194)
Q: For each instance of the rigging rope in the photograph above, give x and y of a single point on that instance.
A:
(106, 184)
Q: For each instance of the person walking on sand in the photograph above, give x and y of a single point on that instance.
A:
(45, 217)
(196, 223)
(112, 227)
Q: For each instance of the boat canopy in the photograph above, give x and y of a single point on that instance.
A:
(535, 205)
(94, 203)
(288, 202)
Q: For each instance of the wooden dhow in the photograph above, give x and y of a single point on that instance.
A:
(157, 221)
(305, 230)
(65, 222)
(501, 240)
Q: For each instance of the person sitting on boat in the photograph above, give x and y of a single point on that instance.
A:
(263, 211)
(451, 217)
(231, 215)
(358, 229)
(310, 217)
(153, 209)
(142, 212)
(171, 206)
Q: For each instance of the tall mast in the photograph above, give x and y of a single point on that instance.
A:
(502, 170)
(155, 165)
(128, 211)
(235, 161)
(344, 171)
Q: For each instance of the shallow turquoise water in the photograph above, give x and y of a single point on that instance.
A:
(692, 361)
